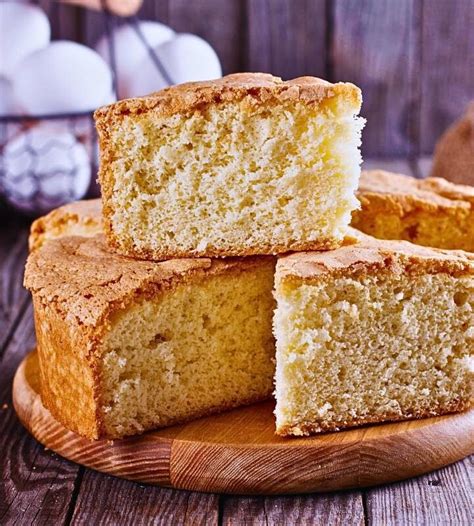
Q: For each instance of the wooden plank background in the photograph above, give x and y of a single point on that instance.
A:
(414, 59)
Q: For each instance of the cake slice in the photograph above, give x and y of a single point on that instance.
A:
(82, 218)
(127, 345)
(373, 332)
(247, 164)
(431, 212)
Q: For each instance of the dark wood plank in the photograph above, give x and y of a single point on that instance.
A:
(447, 69)
(154, 10)
(375, 45)
(94, 26)
(37, 486)
(439, 498)
(334, 509)
(401, 166)
(69, 23)
(13, 297)
(66, 20)
(286, 37)
(219, 22)
(121, 502)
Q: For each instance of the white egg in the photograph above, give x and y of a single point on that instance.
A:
(8, 102)
(185, 58)
(130, 50)
(83, 129)
(109, 98)
(43, 169)
(23, 29)
(63, 77)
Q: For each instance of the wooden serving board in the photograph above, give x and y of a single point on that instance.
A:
(238, 452)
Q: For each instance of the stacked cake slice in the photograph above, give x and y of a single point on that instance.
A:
(239, 172)
(148, 343)
(243, 165)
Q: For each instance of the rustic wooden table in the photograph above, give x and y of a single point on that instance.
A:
(38, 487)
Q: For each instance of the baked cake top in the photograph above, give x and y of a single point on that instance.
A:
(257, 88)
(408, 192)
(371, 254)
(80, 277)
(87, 213)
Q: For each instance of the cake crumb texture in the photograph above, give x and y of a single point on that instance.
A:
(372, 333)
(430, 212)
(244, 165)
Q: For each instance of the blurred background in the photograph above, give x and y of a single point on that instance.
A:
(413, 59)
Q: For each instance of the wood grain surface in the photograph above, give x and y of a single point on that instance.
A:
(238, 451)
(286, 38)
(375, 46)
(425, 503)
(13, 297)
(447, 66)
(36, 485)
(343, 509)
(141, 504)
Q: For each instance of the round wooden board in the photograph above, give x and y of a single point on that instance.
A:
(238, 452)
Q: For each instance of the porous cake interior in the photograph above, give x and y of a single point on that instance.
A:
(234, 175)
(431, 229)
(355, 350)
(183, 354)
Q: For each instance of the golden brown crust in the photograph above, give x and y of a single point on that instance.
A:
(261, 88)
(255, 89)
(83, 279)
(81, 217)
(77, 286)
(408, 192)
(67, 370)
(371, 254)
(310, 428)
(430, 212)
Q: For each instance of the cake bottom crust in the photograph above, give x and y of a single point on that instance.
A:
(310, 428)
(77, 428)
(321, 244)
